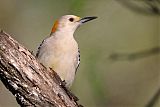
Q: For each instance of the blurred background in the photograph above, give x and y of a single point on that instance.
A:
(120, 54)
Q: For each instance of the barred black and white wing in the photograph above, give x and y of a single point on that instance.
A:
(38, 51)
(78, 59)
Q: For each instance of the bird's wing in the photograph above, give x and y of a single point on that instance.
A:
(78, 59)
(38, 51)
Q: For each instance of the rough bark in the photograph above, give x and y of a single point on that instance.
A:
(28, 80)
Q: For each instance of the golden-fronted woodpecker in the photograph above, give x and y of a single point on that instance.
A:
(60, 51)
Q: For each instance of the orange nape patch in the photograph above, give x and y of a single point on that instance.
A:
(54, 28)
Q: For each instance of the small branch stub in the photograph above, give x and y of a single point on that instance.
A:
(31, 83)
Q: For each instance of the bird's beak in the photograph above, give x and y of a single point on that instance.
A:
(86, 19)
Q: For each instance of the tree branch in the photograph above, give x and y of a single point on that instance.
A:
(136, 55)
(28, 80)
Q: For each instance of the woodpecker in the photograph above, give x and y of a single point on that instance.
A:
(60, 51)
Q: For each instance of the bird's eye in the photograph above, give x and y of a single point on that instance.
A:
(71, 19)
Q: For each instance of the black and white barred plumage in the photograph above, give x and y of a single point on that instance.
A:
(78, 57)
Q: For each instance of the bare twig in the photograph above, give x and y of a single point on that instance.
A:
(136, 55)
(146, 7)
(154, 99)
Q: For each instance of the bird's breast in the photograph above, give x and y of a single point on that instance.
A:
(61, 56)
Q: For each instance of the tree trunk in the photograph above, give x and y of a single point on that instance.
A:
(28, 80)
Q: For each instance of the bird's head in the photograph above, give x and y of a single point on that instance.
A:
(69, 23)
